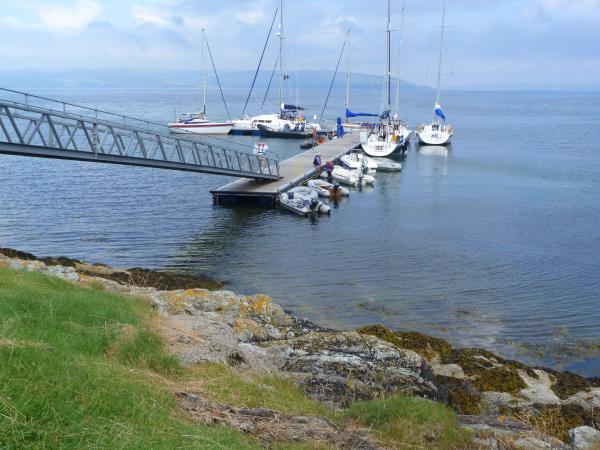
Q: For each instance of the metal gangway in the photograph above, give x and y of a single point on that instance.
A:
(32, 125)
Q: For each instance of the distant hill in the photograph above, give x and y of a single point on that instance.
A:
(160, 78)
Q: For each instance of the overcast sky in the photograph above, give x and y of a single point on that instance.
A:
(502, 42)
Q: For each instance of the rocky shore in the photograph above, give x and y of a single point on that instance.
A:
(504, 403)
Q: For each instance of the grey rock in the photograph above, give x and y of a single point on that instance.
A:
(342, 367)
(501, 432)
(588, 399)
(583, 438)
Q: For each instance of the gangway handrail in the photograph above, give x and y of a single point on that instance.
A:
(40, 131)
(121, 116)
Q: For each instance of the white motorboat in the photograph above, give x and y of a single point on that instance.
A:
(304, 202)
(288, 117)
(358, 161)
(327, 190)
(197, 123)
(305, 191)
(387, 165)
(347, 177)
(438, 132)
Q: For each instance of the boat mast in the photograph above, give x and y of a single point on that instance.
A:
(439, 78)
(399, 61)
(203, 76)
(281, 73)
(388, 63)
(348, 71)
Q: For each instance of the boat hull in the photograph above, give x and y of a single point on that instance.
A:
(270, 132)
(430, 136)
(205, 128)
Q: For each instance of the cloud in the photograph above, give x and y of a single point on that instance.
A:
(155, 16)
(62, 18)
(10, 22)
(569, 4)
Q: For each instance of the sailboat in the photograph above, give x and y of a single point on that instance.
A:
(197, 122)
(438, 132)
(289, 122)
(387, 136)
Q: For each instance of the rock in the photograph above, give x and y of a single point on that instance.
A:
(270, 426)
(496, 402)
(539, 390)
(65, 273)
(588, 399)
(583, 438)
(342, 367)
(502, 432)
(448, 370)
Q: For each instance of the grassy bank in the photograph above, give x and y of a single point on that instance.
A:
(80, 368)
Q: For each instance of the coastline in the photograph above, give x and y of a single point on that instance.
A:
(202, 323)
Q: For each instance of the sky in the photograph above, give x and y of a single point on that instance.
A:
(488, 43)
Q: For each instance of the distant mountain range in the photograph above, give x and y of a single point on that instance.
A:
(165, 79)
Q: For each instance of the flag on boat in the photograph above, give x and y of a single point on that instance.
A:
(439, 112)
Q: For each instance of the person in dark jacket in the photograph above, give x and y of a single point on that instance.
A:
(317, 161)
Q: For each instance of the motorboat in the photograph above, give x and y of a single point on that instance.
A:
(387, 165)
(298, 131)
(347, 177)
(289, 116)
(358, 161)
(305, 191)
(328, 190)
(438, 132)
(197, 123)
(303, 201)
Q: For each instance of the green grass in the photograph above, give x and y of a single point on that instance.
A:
(220, 383)
(409, 422)
(81, 368)
(71, 373)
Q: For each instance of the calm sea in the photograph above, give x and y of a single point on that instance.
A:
(492, 242)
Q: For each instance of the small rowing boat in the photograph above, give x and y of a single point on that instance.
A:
(387, 165)
(304, 202)
(328, 190)
(347, 177)
(358, 161)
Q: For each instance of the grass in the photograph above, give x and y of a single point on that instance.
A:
(66, 383)
(410, 422)
(81, 368)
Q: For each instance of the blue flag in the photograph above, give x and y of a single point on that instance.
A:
(439, 112)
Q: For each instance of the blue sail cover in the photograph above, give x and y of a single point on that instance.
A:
(287, 107)
(359, 114)
(439, 112)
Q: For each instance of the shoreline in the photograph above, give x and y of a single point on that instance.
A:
(204, 323)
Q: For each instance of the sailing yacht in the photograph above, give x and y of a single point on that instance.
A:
(289, 119)
(197, 122)
(438, 132)
(387, 136)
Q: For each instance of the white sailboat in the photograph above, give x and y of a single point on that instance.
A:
(438, 132)
(386, 137)
(289, 119)
(197, 122)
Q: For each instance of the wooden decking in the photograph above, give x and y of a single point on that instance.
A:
(293, 171)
